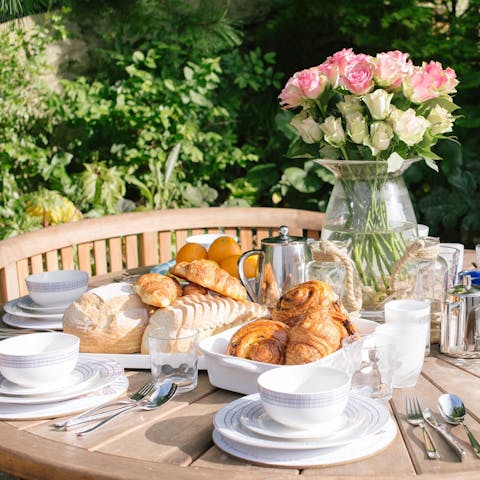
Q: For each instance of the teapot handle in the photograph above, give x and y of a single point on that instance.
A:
(254, 296)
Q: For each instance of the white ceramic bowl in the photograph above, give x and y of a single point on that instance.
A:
(206, 239)
(34, 359)
(301, 396)
(61, 287)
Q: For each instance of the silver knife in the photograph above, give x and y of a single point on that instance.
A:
(429, 417)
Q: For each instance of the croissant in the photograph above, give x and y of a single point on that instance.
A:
(261, 340)
(313, 337)
(194, 289)
(157, 289)
(295, 303)
(209, 275)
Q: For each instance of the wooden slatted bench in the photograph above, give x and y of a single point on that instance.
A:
(113, 243)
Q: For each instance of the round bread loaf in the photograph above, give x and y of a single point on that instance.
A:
(109, 319)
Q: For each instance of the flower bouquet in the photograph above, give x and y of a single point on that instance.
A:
(367, 119)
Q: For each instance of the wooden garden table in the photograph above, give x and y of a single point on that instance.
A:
(175, 441)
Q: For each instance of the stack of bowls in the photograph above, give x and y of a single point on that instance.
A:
(49, 294)
(38, 358)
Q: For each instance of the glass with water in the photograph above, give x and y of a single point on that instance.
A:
(174, 359)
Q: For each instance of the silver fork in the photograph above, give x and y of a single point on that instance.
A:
(87, 416)
(415, 417)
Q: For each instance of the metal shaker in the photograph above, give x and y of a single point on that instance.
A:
(460, 327)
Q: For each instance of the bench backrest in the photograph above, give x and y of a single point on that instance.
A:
(113, 243)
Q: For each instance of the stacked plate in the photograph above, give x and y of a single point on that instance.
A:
(91, 383)
(23, 312)
(244, 430)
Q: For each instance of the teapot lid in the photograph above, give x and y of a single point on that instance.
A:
(284, 238)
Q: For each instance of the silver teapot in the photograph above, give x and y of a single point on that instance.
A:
(282, 262)
(460, 327)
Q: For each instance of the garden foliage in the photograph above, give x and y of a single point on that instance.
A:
(178, 107)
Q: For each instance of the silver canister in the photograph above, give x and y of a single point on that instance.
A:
(460, 327)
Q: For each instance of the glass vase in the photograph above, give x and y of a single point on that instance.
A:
(370, 210)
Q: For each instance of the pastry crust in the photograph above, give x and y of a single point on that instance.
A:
(157, 289)
(295, 303)
(209, 275)
(262, 340)
(194, 289)
(315, 336)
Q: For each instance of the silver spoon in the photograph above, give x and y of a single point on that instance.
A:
(161, 396)
(453, 411)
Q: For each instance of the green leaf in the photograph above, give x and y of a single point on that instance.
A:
(199, 99)
(299, 149)
(300, 180)
(444, 102)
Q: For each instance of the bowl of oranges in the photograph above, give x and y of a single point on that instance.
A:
(220, 248)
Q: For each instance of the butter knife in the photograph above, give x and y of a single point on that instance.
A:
(429, 417)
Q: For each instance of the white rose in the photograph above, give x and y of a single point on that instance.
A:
(409, 127)
(333, 131)
(378, 103)
(307, 128)
(441, 120)
(356, 127)
(350, 104)
(380, 136)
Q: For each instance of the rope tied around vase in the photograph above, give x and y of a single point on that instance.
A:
(327, 251)
(418, 250)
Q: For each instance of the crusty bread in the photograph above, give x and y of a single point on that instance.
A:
(108, 319)
(157, 289)
(209, 275)
(210, 314)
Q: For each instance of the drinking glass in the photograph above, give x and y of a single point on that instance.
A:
(409, 310)
(409, 350)
(174, 359)
(369, 362)
(477, 255)
(452, 257)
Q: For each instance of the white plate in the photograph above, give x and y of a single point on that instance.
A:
(310, 458)
(32, 323)
(258, 421)
(227, 422)
(13, 308)
(26, 303)
(108, 372)
(112, 391)
(83, 373)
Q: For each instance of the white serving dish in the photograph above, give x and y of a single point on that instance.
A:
(239, 374)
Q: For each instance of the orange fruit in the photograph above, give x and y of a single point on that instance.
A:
(190, 252)
(230, 264)
(222, 248)
(250, 266)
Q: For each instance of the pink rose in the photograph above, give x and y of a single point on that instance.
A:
(291, 96)
(390, 69)
(444, 81)
(306, 84)
(429, 81)
(342, 59)
(312, 82)
(358, 75)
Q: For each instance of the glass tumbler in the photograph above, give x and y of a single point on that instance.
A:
(174, 359)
